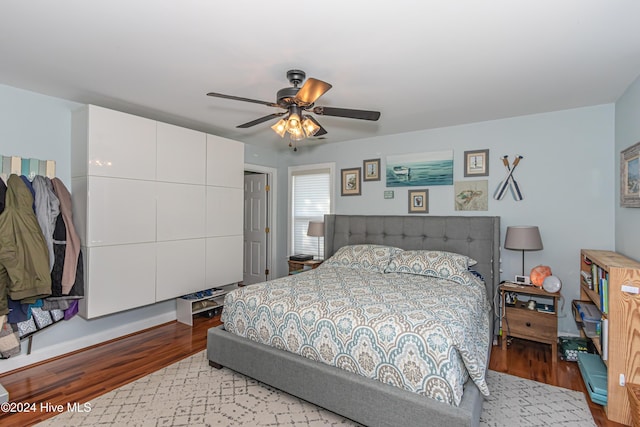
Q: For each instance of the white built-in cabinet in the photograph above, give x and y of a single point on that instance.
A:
(158, 209)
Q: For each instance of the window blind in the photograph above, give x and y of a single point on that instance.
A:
(311, 200)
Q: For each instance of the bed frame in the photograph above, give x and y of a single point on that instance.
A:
(366, 401)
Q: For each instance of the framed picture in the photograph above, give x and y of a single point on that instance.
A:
(371, 170)
(471, 195)
(630, 177)
(476, 163)
(351, 182)
(419, 201)
(420, 169)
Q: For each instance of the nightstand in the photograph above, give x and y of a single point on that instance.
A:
(521, 322)
(297, 266)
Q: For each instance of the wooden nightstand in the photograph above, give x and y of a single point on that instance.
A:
(521, 322)
(296, 266)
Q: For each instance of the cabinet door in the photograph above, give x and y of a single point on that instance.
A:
(224, 211)
(181, 268)
(225, 162)
(224, 260)
(120, 145)
(119, 278)
(181, 211)
(182, 155)
(120, 211)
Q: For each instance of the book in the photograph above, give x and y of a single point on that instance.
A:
(301, 257)
(587, 279)
(605, 294)
(605, 339)
(545, 308)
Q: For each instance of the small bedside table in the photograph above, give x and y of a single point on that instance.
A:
(300, 265)
(521, 322)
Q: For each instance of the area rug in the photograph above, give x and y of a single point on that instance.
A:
(191, 393)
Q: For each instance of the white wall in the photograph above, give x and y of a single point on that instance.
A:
(627, 134)
(38, 126)
(567, 178)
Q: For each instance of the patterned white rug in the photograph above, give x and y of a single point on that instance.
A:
(191, 393)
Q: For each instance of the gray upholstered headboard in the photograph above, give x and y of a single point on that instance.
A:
(477, 237)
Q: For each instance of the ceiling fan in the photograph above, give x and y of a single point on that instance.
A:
(296, 101)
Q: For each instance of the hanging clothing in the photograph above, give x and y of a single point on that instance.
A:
(31, 190)
(67, 275)
(47, 210)
(72, 250)
(9, 340)
(24, 260)
(3, 192)
(59, 251)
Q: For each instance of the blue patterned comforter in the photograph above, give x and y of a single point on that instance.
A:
(423, 334)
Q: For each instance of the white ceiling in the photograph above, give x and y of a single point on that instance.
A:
(422, 64)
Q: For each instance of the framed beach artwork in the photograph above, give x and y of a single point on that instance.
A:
(420, 169)
(419, 201)
(471, 195)
(476, 163)
(371, 170)
(630, 177)
(351, 182)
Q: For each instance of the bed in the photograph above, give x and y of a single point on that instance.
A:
(365, 400)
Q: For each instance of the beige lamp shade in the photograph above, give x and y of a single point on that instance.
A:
(523, 238)
(316, 229)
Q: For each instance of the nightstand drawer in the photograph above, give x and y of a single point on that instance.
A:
(528, 323)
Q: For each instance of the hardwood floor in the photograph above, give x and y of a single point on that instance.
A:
(83, 375)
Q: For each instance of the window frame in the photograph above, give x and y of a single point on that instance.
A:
(304, 170)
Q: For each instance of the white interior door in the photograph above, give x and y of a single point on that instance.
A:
(255, 228)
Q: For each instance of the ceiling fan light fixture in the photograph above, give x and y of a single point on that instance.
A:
(294, 127)
(280, 128)
(297, 136)
(293, 102)
(293, 124)
(310, 127)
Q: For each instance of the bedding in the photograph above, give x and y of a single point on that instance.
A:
(446, 265)
(421, 333)
(363, 257)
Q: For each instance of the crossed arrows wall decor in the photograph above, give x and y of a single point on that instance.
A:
(509, 181)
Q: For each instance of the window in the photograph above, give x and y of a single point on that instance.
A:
(310, 198)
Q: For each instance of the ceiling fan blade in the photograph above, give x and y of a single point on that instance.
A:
(310, 91)
(238, 98)
(260, 120)
(348, 113)
(321, 132)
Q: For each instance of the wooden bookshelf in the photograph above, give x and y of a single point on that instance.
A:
(622, 314)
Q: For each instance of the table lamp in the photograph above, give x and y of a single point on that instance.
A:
(316, 229)
(523, 238)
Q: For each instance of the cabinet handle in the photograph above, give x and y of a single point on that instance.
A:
(528, 324)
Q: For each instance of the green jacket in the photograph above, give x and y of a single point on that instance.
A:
(24, 258)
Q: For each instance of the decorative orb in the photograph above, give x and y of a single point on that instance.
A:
(551, 284)
(539, 273)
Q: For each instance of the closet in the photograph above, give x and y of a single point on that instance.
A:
(158, 209)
